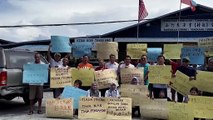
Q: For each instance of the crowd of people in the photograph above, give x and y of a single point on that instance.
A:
(156, 91)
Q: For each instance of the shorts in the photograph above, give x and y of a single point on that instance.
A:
(36, 91)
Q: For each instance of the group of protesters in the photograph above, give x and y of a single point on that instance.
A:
(156, 91)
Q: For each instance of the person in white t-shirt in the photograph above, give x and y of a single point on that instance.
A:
(112, 64)
(127, 63)
(56, 61)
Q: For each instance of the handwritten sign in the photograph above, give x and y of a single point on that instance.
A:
(135, 92)
(128, 73)
(153, 54)
(85, 75)
(196, 55)
(93, 41)
(204, 81)
(82, 48)
(35, 73)
(181, 83)
(180, 111)
(136, 50)
(172, 51)
(104, 49)
(154, 109)
(207, 43)
(60, 44)
(60, 77)
(104, 77)
(202, 106)
(92, 108)
(59, 108)
(119, 108)
(75, 93)
(159, 74)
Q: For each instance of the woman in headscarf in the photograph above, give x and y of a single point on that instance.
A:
(135, 81)
(93, 91)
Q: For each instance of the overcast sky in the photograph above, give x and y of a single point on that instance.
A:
(17, 12)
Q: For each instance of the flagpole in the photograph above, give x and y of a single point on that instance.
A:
(179, 22)
(138, 22)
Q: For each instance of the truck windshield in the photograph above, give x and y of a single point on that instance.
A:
(16, 59)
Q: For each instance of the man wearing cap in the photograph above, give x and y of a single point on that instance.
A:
(187, 70)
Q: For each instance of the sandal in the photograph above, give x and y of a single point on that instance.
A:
(30, 112)
(39, 112)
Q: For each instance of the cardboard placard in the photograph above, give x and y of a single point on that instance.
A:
(128, 73)
(159, 74)
(136, 50)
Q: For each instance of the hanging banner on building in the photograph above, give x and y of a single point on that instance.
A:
(207, 43)
(153, 53)
(159, 74)
(135, 92)
(119, 108)
(87, 76)
(60, 44)
(104, 77)
(60, 77)
(82, 48)
(196, 55)
(104, 49)
(128, 73)
(202, 106)
(92, 108)
(172, 51)
(35, 73)
(187, 25)
(93, 41)
(59, 108)
(136, 50)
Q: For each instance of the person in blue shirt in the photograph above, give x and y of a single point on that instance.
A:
(143, 63)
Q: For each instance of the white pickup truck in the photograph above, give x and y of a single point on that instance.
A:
(11, 72)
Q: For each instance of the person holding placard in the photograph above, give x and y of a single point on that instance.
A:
(135, 81)
(101, 65)
(143, 63)
(93, 91)
(85, 63)
(127, 63)
(187, 70)
(36, 90)
(56, 61)
(112, 64)
(113, 91)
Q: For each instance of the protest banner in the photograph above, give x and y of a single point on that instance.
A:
(154, 108)
(153, 53)
(128, 73)
(207, 43)
(93, 41)
(136, 50)
(104, 77)
(35, 73)
(59, 108)
(204, 81)
(60, 77)
(104, 49)
(180, 111)
(172, 51)
(119, 108)
(75, 93)
(159, 74)
(60, 44)
(202, 106)
(92, 108)
(181, 83)
(87, 76)
(82, 48)
(196, 55)
(135, 92)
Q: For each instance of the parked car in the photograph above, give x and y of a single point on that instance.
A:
(11, 73)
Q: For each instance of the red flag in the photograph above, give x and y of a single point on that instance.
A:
(142, 12)
(191, 3)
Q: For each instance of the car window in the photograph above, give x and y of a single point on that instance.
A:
(18, 59)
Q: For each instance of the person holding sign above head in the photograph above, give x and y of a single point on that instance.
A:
(187, 70)
(143, 63)
(85, 63)
(93, 91)
(112, 64)
(36, 90)
(56, 61)
(113, 91)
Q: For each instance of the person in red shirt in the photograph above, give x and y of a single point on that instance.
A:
(85, 63)
(101, 65)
